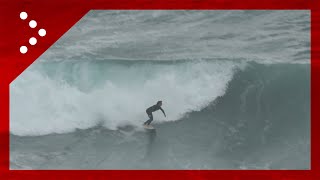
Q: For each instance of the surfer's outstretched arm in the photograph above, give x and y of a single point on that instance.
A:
(163, 112)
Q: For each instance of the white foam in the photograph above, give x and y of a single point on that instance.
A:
(40, 105)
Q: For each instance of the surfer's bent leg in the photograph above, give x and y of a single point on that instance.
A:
(150, 119)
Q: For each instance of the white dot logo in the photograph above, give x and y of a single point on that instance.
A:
(33, 41)
(23, 15)
(23, 49)
(33, 24)
(42, 32)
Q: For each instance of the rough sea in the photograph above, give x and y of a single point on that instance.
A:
(235, 86)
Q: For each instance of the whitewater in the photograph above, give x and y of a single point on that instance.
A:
(235, 86)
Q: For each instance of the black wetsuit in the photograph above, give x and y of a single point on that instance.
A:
(149, 112)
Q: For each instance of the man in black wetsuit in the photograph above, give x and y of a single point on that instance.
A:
(152, 109)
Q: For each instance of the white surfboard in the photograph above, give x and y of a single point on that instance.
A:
(148, 127)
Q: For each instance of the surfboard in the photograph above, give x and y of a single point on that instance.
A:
(148, 127)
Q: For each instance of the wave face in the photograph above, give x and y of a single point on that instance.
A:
(263, 119)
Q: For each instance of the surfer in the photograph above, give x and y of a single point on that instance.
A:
(152, 109)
